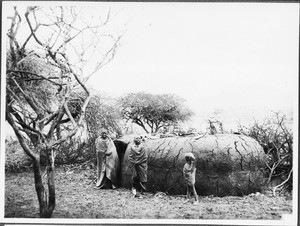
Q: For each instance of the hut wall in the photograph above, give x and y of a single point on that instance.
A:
(227, 164)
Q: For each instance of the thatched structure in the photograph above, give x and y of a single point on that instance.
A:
(227, 164)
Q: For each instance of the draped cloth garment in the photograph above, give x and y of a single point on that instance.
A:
(189, 173)
(107, 165)
(138, 158)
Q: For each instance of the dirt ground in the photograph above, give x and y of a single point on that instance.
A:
(77, 198)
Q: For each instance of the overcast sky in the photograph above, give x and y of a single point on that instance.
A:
(238, 57)
(241, 58)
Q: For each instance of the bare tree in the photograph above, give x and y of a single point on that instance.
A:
(277, 140)
(48, 62)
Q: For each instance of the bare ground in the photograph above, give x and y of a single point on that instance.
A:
(76, 198)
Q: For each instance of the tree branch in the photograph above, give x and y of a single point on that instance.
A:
(58, 116)
(30, 26)
(106, 57)
(74, 36)
(83, 109)
(279, 185)
(63, 139)
(140, 123)
(69, 114)
(20, 136)
(29, 37)
(75, 75)
(40, 76)
(29, 100)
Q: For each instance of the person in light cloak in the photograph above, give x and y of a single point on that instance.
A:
(107, 161)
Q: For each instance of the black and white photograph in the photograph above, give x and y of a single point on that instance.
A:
(149, 112)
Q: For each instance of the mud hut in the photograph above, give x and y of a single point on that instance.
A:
(227, 164)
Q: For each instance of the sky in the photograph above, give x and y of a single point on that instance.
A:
(240, 59)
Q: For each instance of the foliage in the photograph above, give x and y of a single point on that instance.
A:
(276, 138)
(102, 112)
(76, 152)
(72, 152)
(15, 158)
(154, 111)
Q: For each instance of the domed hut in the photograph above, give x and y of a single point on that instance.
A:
(227, 164)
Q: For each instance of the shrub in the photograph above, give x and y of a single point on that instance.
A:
(15, 158)
(275, 136)
(70, 153)
(76, 152)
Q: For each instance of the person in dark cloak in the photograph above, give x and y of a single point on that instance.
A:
(138, 160)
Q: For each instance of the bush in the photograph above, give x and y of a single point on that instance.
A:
(76, 152)
(72, 152)
(276, 138)
(16, 159)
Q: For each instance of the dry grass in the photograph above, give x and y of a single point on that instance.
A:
(76, 198)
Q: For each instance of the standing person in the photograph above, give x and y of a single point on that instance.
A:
(138, 159)
(189, 173)
(107, 161)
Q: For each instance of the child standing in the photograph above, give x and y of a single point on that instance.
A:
(189, 173)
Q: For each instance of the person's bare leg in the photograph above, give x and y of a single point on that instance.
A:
(133, 185)
(195, 194)
(188, 195)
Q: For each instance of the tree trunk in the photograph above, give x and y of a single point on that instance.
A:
(46, 202)
(143, 126)
(51, 182)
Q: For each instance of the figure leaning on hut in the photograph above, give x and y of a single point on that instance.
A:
(107, 161)
(138, 160)
(189, 173)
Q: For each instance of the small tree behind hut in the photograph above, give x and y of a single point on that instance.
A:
(276, 137)
(47, 66)
(153, 112)
(215, 122)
